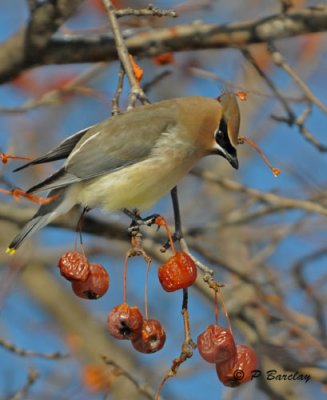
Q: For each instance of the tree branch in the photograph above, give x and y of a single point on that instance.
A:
(27, 46)
(197, 36)
(270, 198)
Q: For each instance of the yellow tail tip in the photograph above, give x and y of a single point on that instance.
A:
(10, 251)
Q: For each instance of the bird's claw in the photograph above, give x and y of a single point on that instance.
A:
(138, 221)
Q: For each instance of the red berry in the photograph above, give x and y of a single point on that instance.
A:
(125, 322)
(74, 266)
(179, 272)
(96, 284)
(216, 344)
(152, 337)
(238, 369)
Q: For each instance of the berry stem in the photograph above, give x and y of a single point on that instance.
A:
(75, 240)
(148, 263)
(125, 277)
(162, 222)
(186, 318)
(187, 346)
(216, 307)
(225, 311)
(5, 157)
(165, 379)
(78, 231)
(17, 193)
(243, 139)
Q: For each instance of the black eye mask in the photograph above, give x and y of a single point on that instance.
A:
(222, 138)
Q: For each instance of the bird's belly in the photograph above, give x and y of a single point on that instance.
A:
(137, 186)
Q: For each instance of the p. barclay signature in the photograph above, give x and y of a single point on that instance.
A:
(274, 375)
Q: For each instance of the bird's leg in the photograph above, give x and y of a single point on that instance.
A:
(138, 221)
(178, 234)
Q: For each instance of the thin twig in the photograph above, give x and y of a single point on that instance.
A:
(158, 78)
(115, 99)
(280, 61)
(197, 262)
(249, 57)
(56, 96)
(299, 122)
(308, 288)
(270, 198)
(143, 389)
(202, 73)
(291, 118)
(187, 347)
(136, 91)
(150, 11)
(28, 353)
(22, 393)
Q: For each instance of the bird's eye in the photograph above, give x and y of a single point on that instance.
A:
(221, 134)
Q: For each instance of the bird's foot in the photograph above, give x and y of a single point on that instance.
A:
(138, 221)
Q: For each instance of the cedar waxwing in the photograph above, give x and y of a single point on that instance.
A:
(131, 160)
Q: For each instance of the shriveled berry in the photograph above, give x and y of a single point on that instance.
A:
(74, 266)
(216, 344)
(96, 284)
(238, 369)
(152, 337)
(179, 272)
(125, 322)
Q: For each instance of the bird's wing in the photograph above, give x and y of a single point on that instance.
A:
(60, 152)
(112, 144)
(116, 143)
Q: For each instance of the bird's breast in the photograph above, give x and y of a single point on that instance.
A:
(139, 185)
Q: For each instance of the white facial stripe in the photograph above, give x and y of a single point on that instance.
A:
(216, 146)
(78, 148)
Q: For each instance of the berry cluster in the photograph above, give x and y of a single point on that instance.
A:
(234, 363)
(147, 335)
(89, 280)
(216, 344)
(127, 323)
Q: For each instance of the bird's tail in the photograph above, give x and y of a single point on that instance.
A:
(45, 214)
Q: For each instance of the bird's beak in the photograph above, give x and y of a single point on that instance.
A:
(232, 160)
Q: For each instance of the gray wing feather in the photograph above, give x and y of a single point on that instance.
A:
(112, 144)
(58, 179)
(44, 215)
(118, 142)
(60, 152)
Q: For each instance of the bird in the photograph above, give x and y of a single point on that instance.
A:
(131, 160)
